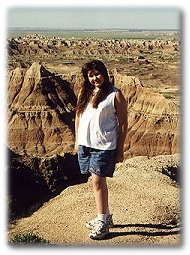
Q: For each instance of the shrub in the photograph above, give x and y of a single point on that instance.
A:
(29, 238)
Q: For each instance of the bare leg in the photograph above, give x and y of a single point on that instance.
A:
(101, 193)
(100, 227)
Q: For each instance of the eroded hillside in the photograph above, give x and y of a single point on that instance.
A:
(41, 114)
(43, 81)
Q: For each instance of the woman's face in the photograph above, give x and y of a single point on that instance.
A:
(95, 78)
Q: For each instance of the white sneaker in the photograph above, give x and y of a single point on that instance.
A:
(100, 230)
(109, 222)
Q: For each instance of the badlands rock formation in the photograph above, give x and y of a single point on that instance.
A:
(40, 136)
(43, 47)
(153, 120)
(44, 78)
(41, 120)
(41, 115)
(41, 44)
(41, 129)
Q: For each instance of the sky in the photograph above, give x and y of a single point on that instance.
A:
(94, 17)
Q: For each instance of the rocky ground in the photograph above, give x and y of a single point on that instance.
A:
(144, 199)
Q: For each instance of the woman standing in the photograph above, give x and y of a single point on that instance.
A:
(100, 125)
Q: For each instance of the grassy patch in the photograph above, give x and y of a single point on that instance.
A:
(28, 238)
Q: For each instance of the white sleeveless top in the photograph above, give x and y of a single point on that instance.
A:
(98, 127)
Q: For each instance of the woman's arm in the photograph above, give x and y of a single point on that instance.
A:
(122, 114)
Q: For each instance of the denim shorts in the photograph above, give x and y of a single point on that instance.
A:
(99, 162)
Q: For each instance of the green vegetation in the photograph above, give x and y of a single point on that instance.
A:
(29, 238)
(101, 34)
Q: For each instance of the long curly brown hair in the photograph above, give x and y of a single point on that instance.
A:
(85, 94)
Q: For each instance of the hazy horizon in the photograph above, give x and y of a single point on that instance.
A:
(94, 18)
(93, 29)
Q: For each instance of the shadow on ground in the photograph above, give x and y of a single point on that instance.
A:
(144, 230)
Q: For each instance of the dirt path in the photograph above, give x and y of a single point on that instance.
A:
(144, 202)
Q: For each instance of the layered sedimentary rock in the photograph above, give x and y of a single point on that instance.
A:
(40, 138)
(44, 46)
(41, 119)
(41, 130)
(153, 120)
